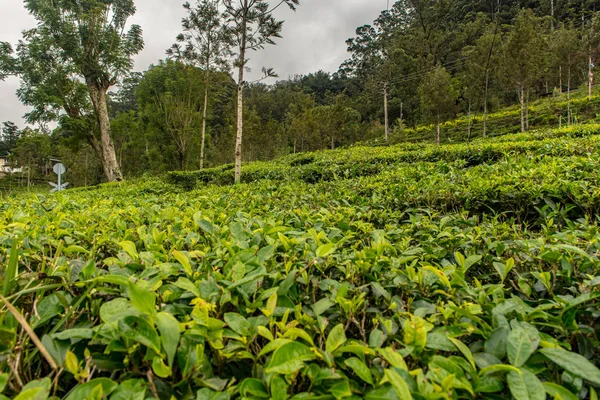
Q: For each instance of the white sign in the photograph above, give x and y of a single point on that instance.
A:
(59, 169)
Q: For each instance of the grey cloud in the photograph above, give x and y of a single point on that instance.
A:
(313, 38)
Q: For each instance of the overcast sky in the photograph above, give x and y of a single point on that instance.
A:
(313, 38)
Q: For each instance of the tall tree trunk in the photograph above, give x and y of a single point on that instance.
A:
(552, 13)
(485, 102)
(438, 135)
(469, 125)
(109, 158)
(204, 114)
(240, 99)
(527, 111)
(522, 99)
(569, 94)
(385, 110)
(560, 83)
(591, 78)
(401, 116)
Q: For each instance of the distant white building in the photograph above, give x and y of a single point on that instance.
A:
(6, 168)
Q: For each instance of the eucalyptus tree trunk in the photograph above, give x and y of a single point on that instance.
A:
(240, 98)
(204, 114)
(527, 111)
(522, 100)
(469, 125)
(591, 79)
(385, 110)
(438, 135)
(560, 83)
(109, 158)
(569, 93)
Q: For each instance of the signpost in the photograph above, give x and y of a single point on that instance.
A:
(59, 169)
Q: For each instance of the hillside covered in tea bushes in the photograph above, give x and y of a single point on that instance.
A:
(417, 271)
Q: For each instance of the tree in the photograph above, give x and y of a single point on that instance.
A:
(124, 100)
(592, 40)
(170, 97)
(566, 54)
(324, 127)
(10, 134)
(82, 41)
(205, 44)
(523, 58)
(32, 151)
(481, 61)
(5, 60)
(370, 60)
(438, 96)
(252, 26)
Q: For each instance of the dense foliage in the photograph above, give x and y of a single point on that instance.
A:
(430, 62)
(448, 272)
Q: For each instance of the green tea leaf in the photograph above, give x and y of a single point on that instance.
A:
(203, 224)
(325, 250)
(142, 299)
(131, 389)
(139, 330)
(184, 261)
(464, 350)
(400, 386)
(521, 344)
(524, 385)
(160, 368)
(71, 363)
(497, 343)
(84, 390)
(76, 333)
(559, 392)
(386, 392)
(289, 358)
(252, 387)
(114, 310)
(341, 390)
(360, 369)
(3, 381)
(574, 363)
(322, 305)
(394, 358)
(11, 271)
(35, 390)
(130, 249)
(169, 334)
(336, 338)
(239, 324)
(287, 283)
(208, 394)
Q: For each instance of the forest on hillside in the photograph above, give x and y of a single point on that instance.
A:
(420, 62)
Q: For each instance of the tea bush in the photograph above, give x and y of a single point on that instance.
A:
(367, 161)
(411, 271)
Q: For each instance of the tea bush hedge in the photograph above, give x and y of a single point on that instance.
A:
(468, 271)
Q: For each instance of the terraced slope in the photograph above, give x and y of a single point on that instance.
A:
(411, 271)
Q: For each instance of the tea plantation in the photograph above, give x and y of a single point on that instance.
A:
(410, 271)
